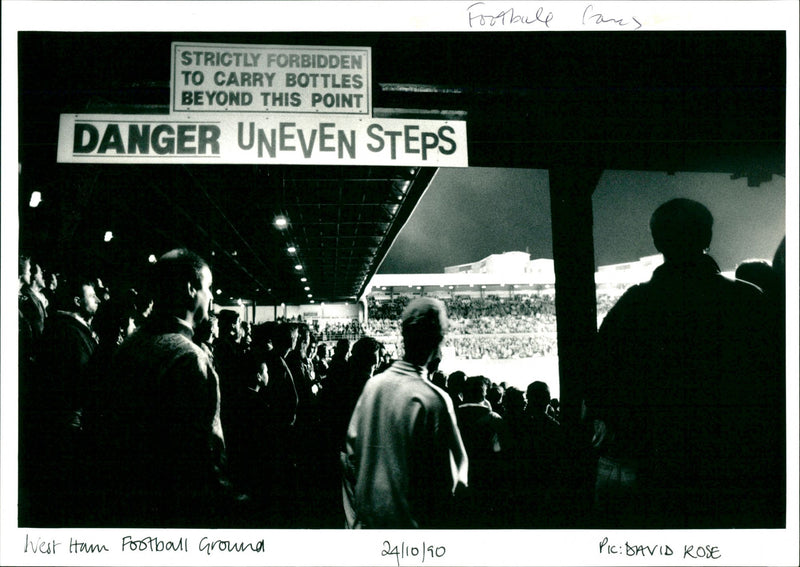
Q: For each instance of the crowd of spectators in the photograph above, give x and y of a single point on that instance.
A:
(93, 446)
(333, 330)
(284, 400)
(505, 325)
(279, 378)
(466, 307)
(481, 328)
(515, 444)
(604, 304)
(503, 347)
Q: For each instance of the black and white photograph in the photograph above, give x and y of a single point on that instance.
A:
(493, 283)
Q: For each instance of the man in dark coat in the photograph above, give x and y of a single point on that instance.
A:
(53, 404)
(67, 346)
(280, 440)
(685, 393)
(168, 449)
(483, 433)
(32, 301)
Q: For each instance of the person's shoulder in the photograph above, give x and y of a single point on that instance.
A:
(739, 286)
(62, 322)
(735, 292)
(399, 383)
(172, 341)
(435, 398)
(187, 355)
(637, 292)
(385, 380)
(175, 339)
(636, 295)
(60, 318)
(492, 417)
(635, 299)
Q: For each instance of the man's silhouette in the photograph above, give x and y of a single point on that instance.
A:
(168, 448)
(684, 393)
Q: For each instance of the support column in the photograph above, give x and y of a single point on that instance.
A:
(571, 191)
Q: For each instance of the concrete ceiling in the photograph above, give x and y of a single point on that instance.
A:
(683, 101)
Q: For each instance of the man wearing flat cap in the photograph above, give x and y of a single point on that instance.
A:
(404, 454)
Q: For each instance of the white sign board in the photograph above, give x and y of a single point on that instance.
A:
(243, 138)
(271, 79)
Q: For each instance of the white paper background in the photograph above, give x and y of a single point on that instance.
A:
(306, 547)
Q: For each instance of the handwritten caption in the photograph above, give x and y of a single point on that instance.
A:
(629, 549)
(415, 552)
(592, 15)
(209, 546)
(479, 15)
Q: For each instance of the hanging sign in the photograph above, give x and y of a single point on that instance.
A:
(242, 138)
(279, 79)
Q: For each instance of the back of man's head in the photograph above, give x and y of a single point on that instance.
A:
(172, 273)
(779, 260)
(538, 395)
(757, 272)
(455, 381)
(303, 335)
(475, 389)
(515, 400)
(440, 379)
(342, 349)
(284, 337)
(204, 331)
(681, 229)
(228, 323)
(365, 353)
(424, 323)
(263, 335)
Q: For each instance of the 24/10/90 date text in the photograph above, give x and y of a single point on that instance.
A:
(416, 552)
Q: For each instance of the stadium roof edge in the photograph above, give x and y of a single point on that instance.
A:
(459, 279)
